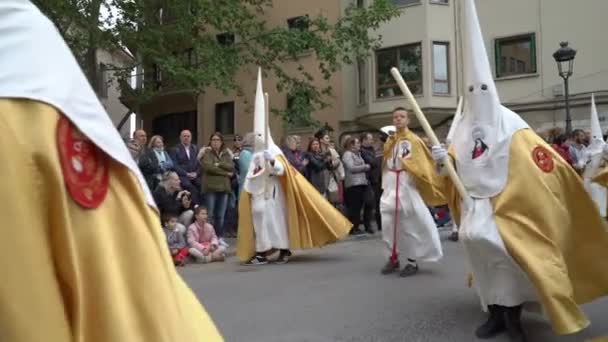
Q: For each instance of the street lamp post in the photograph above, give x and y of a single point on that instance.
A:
(564, 57)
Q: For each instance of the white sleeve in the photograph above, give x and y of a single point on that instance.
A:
(278, 169)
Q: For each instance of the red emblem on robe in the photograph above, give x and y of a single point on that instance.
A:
(543, 159)
(85, 167)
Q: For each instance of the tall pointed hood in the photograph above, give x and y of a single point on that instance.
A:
(483, 135)
(595, 149)
(597, 139)
(260, 123)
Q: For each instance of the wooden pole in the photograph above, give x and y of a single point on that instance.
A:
(266, 123)
(266, 143)
(430, 133)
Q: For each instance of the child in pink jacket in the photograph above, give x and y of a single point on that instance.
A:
(204, 244)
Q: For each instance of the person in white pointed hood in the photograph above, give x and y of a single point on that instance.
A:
(267, 194)
(529, 218)
(80, 212)
(595, 159)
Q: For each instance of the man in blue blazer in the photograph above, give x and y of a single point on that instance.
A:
(187, 166)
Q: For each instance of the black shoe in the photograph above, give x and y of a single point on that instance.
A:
(495, 323)
(513, 323)
(283, 257)
(454, 237)
(257, 260)
(390, 267)
(356, 232)
(409, 270)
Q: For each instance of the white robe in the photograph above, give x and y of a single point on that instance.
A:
(417, 233)
(498, 279)
(268, 208)
(598, 193)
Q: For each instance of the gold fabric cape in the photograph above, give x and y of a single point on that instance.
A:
(311, 220)
(553, 230)
(79, 273)
(602, 177)
(420, 165)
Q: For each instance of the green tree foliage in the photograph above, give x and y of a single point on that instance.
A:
(176, 43)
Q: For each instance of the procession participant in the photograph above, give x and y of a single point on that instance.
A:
(81, 217)
(408, 181)
(594, 162)
(531, 231)
(279, 209)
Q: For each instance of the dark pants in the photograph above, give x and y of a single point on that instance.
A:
(217, 203)
(194, 186)
(377, 189)
(369, 208)
(355, 200)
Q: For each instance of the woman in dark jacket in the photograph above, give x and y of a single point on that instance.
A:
(218, 169)
(293, 154)
(155, 162)
(318, 163)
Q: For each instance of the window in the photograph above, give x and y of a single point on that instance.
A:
(225, 39)
(170, 125)
(361, 81)
(516, 55)
(408, 58)
(405, 2)
(298, 23)
(103, 81)
(441, 68)
(224, 118)
(360, 3)
(298, 108)
(439, 2)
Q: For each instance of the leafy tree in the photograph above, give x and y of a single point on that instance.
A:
(175, 44)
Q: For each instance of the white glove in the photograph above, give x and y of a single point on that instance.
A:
(438, 152)
(268, 156)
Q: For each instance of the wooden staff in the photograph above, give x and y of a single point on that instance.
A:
(266, 144)
(266, 123)
(430, 134)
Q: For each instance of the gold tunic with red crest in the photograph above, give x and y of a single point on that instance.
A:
(552, 229)
(82, 252)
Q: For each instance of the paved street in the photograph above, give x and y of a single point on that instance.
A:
(338, 294)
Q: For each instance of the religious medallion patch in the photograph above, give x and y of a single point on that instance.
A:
(543, 159)
(85, 167)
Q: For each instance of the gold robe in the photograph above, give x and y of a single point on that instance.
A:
(553, 230)
(602, 177)
(75, 274)
(420, 166)
(311, 220)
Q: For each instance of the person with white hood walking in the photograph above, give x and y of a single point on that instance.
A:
(280, 209)
(530, 230)
(595, 160)
(80, 212)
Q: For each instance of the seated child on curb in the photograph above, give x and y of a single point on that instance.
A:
(204, 245)
(175, 239)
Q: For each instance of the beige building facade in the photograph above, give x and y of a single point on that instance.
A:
(521, 37)
(424, 43)
(232, 113)
(108, 90)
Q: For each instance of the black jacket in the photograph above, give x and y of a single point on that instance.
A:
(369, 156)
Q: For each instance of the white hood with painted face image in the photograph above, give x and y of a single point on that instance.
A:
(482, 138)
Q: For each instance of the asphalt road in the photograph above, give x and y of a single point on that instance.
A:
(337, 294)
